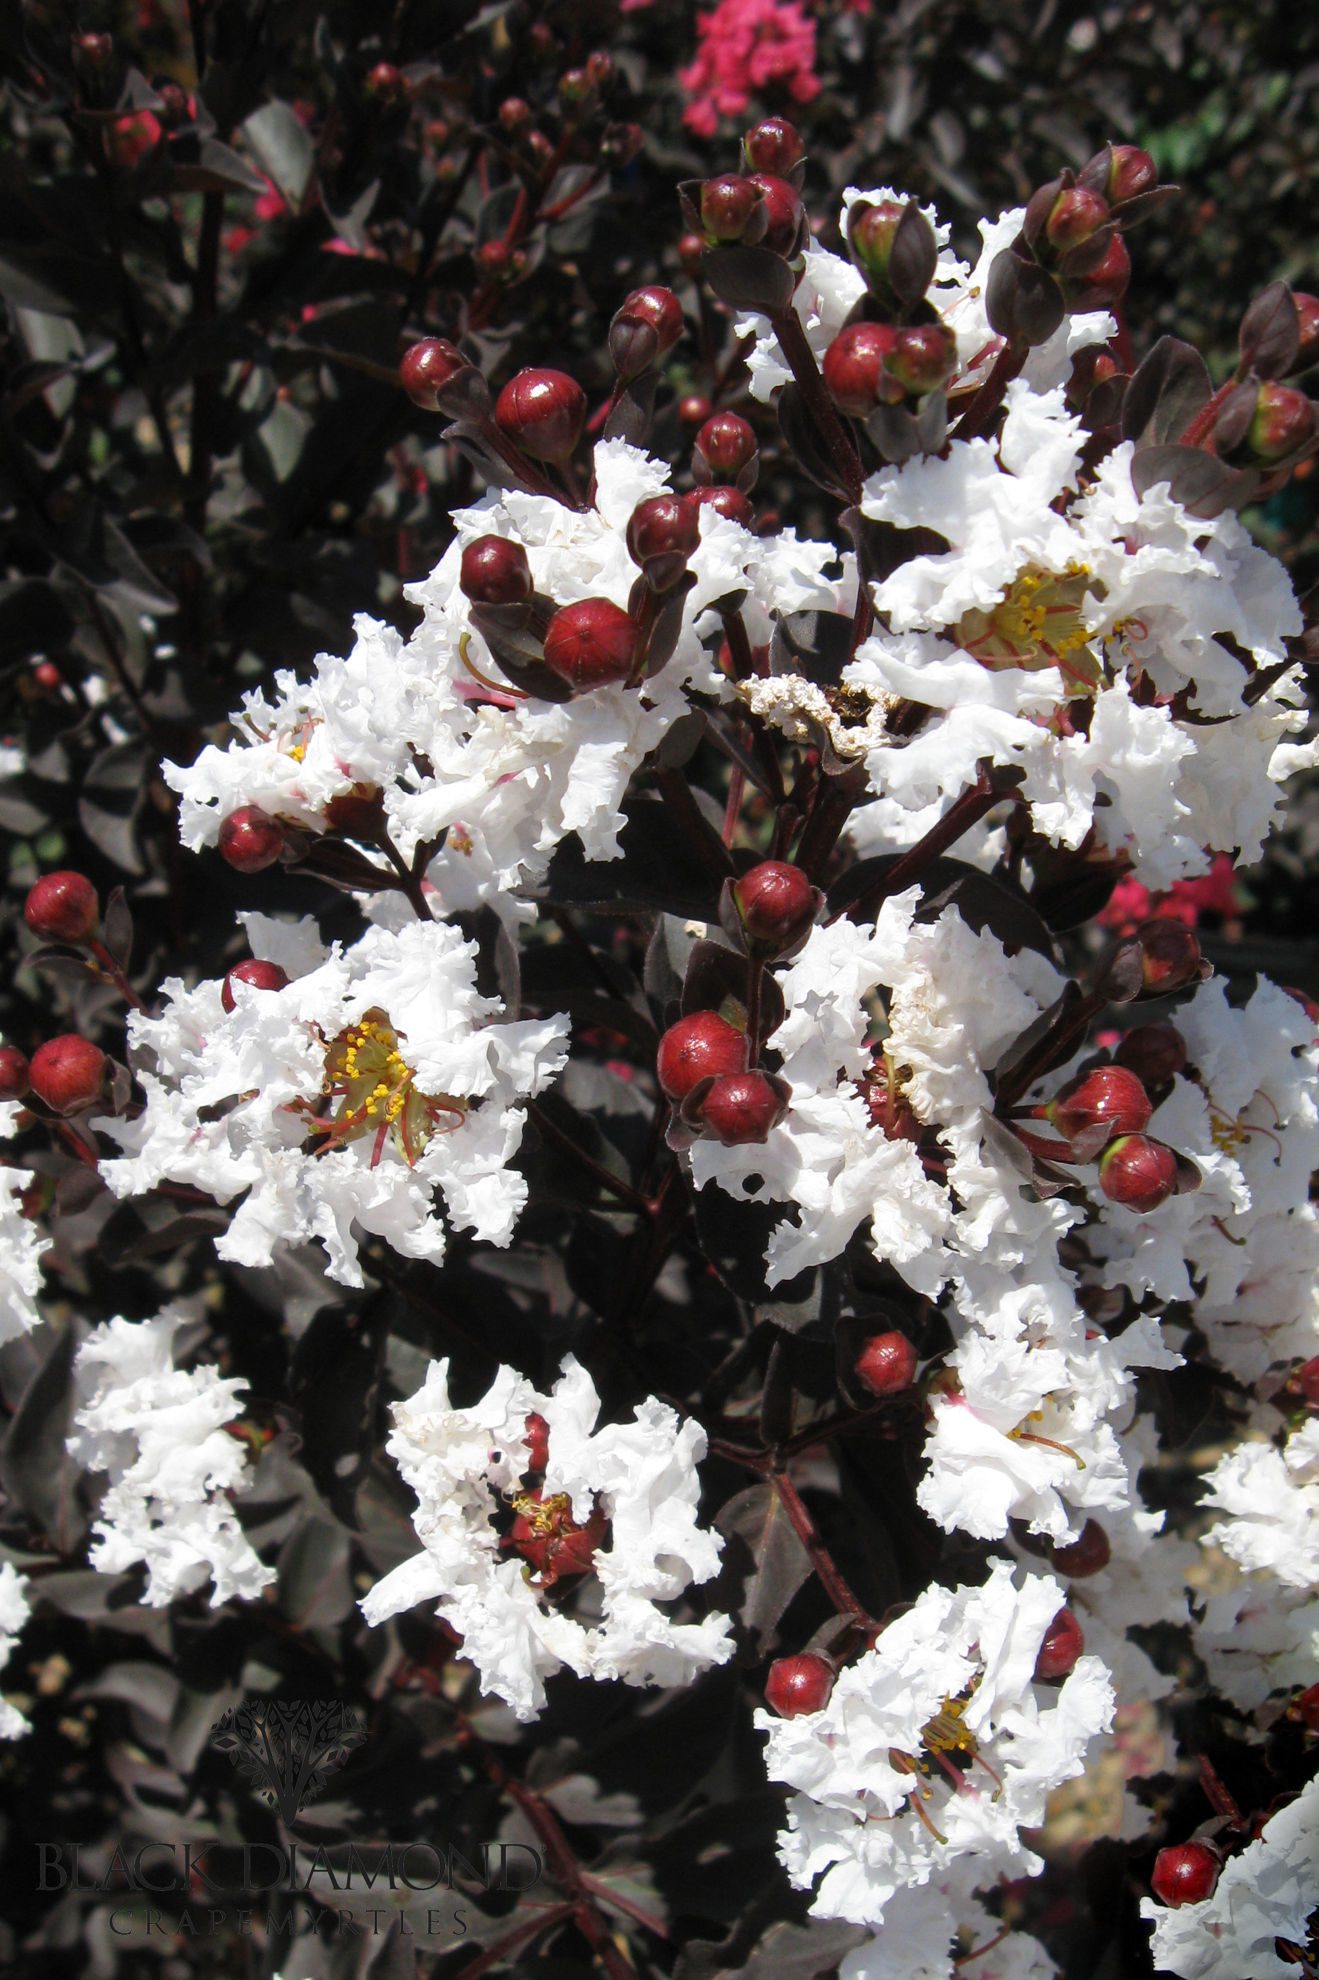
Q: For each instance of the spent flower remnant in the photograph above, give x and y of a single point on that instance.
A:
(711, 926)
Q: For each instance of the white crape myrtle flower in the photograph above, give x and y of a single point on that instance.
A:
(1246, 1112)
(1255, 1635)
(934, 1746)
(21, 1243)
(467, 1467)
(14, 1612)
(1052, 590)
(341, 1103)
(1271, 1498)
(1266, 1892)
(158, 1433)
(940, 1929)
(504, 777)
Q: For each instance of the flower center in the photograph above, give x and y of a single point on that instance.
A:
(1037, 623)
(549, 1539)
(377, 1095)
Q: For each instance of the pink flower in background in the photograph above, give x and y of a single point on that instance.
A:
(745, 44)
(1213, 893)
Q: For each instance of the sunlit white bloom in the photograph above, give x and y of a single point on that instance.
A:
(1255, 1635)
(158, 1434)
(937, 1930)
(934, 1745)
(21, 1243)
(14, 1612)
(341, 1103)
(1271, 1498)
(638, 1481)
(1265, 1892)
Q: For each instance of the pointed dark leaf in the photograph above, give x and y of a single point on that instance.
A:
(1022, 300)
(1234, 416)
(778, 1565)
(749, 278)
(801, 436)
(117, 928)
(1270, 333)
(39, 1473)
(283, 147)
(1167, 389)
(894, 434)
(734, 1235)
(913, 258)
(659, 869)
(631, 418)
(717, 976)
(1203, 484)
(816, 644)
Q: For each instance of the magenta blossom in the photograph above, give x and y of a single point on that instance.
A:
(745, 44)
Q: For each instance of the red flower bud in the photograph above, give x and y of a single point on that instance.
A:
(773, 145)
(1171, 954)
(690, 249)
(591, 644)
(1307, 316)
(1185, 1874)
(1154, 1052)
(742, 1107)
(776, 906)
(695, 409)
(91, 52)
(853, 367)
(1106, 283)
(647, 326)
(800, 1684)
(600, 67)
(577, 89)
(887, 1364)
(698, 1047)
(1062, 1645)
(1089, 1553)
(536, 1434)
(662, 533)
(785, 213)
(727, 204)
(543, 412)
(495, 571)
(923, 357)
(14, 1073)
(68, 1073)
(256, 974)
(1284, 421)
(1137, 1172)
(730, 502)
(250, 839)
(1108, 1101)
(62, 907)
(724, 448)
(1074, 216)
(513, 113)
(1131, 171)
(1303, 1381)
(870, 231)
(387, 86)
(427, 368)
(48, 676)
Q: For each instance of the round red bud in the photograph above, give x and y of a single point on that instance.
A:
(592, 644)
(1138, 1173)
(1154, 1052)
(647, 327)
(1284, 421)
(15, 1073)
(68, 1073)
(577, 89)
(800, 1684)
(92, 51)
(1106, 283)
(250, 839)
(1062, 1645)
(741, 1108)
(1185, 1874)
(495, 571)
(62, 907)
(48, 676)
(730, 502)
(695, 409)
(387, 85)
(727, 204)
(1130, 171)
(258, 975)
(1110, 1098)
(773, 145)
(513, 113)
(543, 412)
(776, 905)
(600, 67)
(1171, 954)
(785, 211)
(662, 533)
(698, 1047)
(1303, 1381)
(887, 1364)
(1307, 317)
(870, 233)
(427, 367)
(1089, 1553)
(923, 357)
(853, 367)
(690, 249)
(1074, 216)
(727, 445)
(536, 1434)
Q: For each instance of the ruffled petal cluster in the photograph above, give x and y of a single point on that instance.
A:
(1264, 1894)
(14, 1612)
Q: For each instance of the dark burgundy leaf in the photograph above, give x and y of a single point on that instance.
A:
(1270, 333)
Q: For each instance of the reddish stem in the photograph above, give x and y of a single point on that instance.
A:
(970, 807)
(989, 398)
